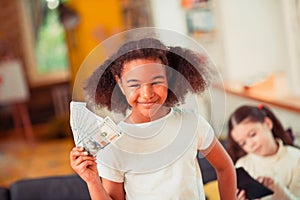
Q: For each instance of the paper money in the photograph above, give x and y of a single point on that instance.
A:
(107, 133)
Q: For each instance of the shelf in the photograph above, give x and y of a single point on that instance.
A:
(273, 91)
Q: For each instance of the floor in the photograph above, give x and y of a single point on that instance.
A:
(47, 156)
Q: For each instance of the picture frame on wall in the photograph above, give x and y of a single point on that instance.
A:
(13, 84)
(201, 24)
(200, 19)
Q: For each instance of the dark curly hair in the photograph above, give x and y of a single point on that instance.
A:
(102, 89)
(254, 114)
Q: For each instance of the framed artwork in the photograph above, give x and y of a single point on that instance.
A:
(13, 85)
(136, 14)
(200, 19)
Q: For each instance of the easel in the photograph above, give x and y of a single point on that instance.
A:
(22, 120)
(14, 93)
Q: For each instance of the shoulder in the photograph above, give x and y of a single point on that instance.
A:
(190, 114)
(292, 149)
(195, 123)
(192, 118)
(293, 152)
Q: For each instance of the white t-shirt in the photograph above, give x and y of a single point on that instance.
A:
(158, 160)
(283, 167)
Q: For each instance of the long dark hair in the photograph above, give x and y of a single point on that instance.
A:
(254, 114)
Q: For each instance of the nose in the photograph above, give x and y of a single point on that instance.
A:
(147, 91)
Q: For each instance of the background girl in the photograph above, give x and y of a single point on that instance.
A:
(258, 142)
(136, 80)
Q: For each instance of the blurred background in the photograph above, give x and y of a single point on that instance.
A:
(255, 45)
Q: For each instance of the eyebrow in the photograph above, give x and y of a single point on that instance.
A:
(132, 80)
(155, 77)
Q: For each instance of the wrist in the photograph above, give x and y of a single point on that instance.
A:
(94, 181)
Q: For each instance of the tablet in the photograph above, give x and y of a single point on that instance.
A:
(253, 188)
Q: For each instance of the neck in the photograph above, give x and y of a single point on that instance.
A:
(274, 148)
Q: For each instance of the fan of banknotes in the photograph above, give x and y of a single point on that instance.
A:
(89, 130)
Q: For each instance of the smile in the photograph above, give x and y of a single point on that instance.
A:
(147, 104)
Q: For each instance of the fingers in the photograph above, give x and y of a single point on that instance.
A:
(241, 194)
(76, 152)
(84, 164)
(266, 181)
(80, 159)
(260, 179)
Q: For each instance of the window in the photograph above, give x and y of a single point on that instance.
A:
(51, 49)
(45, 47)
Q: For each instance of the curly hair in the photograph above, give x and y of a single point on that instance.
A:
(102, 89)
(254, 114)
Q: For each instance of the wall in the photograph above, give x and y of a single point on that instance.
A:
(168, 14)
(291, 10)
(250, 36)
(252, 33)
(99, 19)
(250, 41)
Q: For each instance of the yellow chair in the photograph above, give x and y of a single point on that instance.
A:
(211, 190)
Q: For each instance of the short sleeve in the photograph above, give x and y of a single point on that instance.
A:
(110, 173)
(205, 134)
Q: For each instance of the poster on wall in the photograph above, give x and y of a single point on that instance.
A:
(200, 19)
(13, 85)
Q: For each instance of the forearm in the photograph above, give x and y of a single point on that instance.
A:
(281, 192)
(225, 170)
(227, 183)
(97, 191)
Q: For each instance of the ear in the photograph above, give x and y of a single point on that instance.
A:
(269, 123)
(119, 82)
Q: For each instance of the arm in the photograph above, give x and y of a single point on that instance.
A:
(107, 190)
(293, 189)
(86, 167)
(281, 192)
(224, 167)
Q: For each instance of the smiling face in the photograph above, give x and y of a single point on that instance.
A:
(255, 137)
(145, 86)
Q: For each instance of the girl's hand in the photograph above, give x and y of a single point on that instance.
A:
(266, 181)
(84, 164)
(241, 194)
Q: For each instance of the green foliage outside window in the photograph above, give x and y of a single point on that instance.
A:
(51, 49)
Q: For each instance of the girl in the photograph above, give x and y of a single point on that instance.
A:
(137, 79)
(258, 143)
